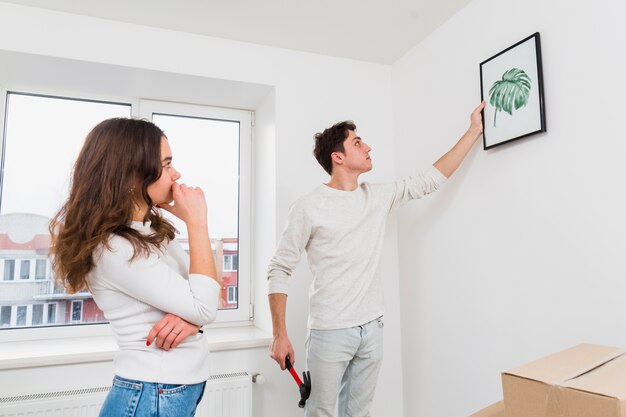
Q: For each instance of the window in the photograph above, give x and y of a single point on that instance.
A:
(21, 316)
(40, 268)
(42, 136)
(5, 316)
(77, 311)
(230, 262)
(211, 147)
(52, 311)
(9, 269)
(232, 294)
(24, 269)
(37, 315)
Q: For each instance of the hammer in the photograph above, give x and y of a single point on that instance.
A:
(305, 387)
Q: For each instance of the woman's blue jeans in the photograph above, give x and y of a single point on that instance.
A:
(129, 398)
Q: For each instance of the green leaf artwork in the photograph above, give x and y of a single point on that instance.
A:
(509, 92)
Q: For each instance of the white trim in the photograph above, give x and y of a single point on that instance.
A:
(65, 95)
(73, 350)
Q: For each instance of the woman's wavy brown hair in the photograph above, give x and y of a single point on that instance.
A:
(118, 156)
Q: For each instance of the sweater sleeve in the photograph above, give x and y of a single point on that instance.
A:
(292, 242)
(416, 186)
(151, 280)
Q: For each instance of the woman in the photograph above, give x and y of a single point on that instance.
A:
(109, 237)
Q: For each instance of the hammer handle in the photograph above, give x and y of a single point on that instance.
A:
(292, 371)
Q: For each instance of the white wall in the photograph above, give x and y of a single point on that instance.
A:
(309, 92)
(522, 253)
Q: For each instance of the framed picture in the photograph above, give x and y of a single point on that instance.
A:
(512, 84)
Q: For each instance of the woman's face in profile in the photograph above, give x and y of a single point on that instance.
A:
(160, 191)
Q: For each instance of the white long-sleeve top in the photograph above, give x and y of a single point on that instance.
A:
(342, 233)
(135, 294)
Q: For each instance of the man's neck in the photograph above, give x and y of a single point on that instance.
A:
(343, 181)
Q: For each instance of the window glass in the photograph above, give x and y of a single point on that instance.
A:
(77, 311)
(21, 316)
(9, 269)
(5, 316)
(24, 269)
(216, 170)
(43, 136)
(40, 268)
(52, 309)
(37, 314)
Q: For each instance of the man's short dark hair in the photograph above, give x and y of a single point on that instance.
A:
(329, 141)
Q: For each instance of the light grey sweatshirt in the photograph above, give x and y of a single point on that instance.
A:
(342, 233)
(135, 295)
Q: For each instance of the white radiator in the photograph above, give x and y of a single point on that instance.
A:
(227, 395)
(79, 403)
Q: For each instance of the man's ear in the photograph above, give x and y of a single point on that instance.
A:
(336, 157)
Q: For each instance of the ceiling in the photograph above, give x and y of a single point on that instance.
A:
(369, 30)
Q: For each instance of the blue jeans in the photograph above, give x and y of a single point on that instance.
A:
(344, 366)
(129, 398)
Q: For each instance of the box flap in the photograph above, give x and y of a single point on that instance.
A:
(567, 364)
(494, 410)
(608, 380)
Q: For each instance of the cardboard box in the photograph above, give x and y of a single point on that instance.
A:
(494, 410)
(583, 381)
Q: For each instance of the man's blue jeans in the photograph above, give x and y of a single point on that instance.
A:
(130, 398)
(344, 366)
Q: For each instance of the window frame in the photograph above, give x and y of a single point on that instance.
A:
(138, 107)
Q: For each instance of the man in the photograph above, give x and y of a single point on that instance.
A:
(341, 225)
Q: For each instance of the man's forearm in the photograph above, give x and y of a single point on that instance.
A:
(452, 159)
(278, 307)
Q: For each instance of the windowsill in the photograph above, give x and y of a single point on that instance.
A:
(33, 353)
